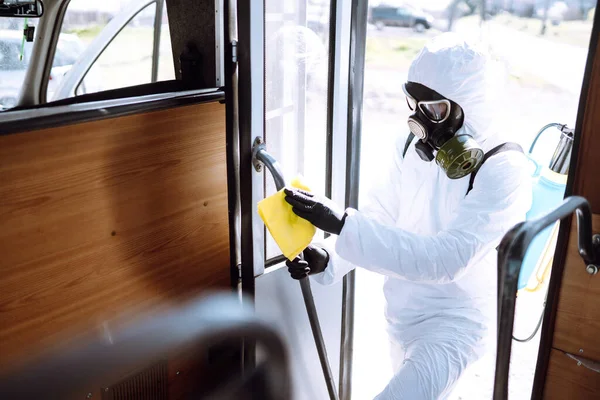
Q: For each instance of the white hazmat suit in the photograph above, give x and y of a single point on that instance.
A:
(435, 244)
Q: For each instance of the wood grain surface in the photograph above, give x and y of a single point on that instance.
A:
(109, 216)
(566, 380)
(577, 327)
(574, 319)
(587, 179)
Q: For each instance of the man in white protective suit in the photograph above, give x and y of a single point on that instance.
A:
(432, 228)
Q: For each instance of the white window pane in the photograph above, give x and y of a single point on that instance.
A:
(296, 60)
(126, 61)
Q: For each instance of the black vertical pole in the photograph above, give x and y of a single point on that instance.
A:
(358, 40)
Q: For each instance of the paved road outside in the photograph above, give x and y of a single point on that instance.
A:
(560, 64)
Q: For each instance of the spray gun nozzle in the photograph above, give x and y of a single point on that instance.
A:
(567, 131)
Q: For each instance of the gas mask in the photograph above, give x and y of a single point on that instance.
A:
(435, 122)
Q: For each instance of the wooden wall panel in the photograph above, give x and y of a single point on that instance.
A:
(577, 324)
(566, 380)
(587, 179)
(106, 216)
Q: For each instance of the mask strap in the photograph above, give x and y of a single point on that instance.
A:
(409, 140)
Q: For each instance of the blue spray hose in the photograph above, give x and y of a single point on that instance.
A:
(553, 124)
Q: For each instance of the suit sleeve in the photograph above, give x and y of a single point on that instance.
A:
(500, 198)
(381, 206)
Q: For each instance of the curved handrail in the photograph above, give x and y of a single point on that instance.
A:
(511, 253)
(261, 155)
(212, 320)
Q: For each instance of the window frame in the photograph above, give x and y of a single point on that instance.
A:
(34, 92)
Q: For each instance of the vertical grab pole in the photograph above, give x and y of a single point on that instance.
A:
(313, 318)
(260, 155)
(358, 40)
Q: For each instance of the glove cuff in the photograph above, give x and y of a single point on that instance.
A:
(326, 259)
(322, 266)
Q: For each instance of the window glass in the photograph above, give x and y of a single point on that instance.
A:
(121, 59)
(123, 64)
(296, 53)
(15, 56)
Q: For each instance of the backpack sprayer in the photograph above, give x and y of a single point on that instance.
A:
(548, 192)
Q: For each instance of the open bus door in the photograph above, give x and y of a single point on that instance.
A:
(297, 89)
(144, 196)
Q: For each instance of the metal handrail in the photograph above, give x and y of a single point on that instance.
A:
(260, 155)
(511, 253)
(62, 372)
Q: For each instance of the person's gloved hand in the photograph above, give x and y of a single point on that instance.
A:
(319, 211)
(313, 260)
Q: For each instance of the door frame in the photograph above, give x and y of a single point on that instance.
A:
(250, 112)
(347, 41)
(558, 265)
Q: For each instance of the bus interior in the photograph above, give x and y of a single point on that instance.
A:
(135, 264)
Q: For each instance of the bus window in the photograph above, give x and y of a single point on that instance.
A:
(296, 61)
(113, 42)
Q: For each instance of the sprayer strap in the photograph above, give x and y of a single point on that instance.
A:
(498, 149)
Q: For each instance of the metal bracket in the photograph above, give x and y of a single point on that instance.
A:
(587, 363)
(234, 53)
(256, 146)
(592, 269)
(261, 157)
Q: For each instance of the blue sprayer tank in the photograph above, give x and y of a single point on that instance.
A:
(548, 192)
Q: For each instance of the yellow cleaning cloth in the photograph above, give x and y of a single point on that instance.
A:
(291, 233)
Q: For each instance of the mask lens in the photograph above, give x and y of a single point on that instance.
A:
(436, 111)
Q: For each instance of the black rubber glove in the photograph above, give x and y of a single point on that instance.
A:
(319, 211)
(313, 260)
